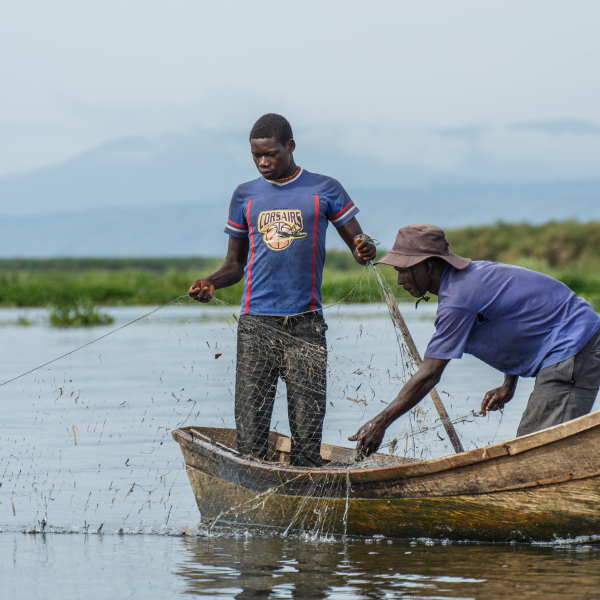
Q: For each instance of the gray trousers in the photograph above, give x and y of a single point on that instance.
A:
(564, 391)
(295, 349)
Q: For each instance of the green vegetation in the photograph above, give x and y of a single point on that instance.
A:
(20, 321)
(569, 251)
(114, 282)
(78, 316)
(562, 245)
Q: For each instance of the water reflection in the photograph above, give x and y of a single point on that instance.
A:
(242, 568)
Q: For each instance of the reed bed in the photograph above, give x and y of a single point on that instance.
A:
(569, 251)
(66, 283)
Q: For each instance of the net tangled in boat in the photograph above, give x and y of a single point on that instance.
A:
(87, 445)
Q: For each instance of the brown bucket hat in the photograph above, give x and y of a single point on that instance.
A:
(415, 243)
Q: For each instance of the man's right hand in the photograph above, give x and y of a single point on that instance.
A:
(202, 290)
(369, 436)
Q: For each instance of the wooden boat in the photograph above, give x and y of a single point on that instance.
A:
(542, 486)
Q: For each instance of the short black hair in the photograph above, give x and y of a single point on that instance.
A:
(272, 126)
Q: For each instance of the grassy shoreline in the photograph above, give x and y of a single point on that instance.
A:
(569, 251)
(128, 287)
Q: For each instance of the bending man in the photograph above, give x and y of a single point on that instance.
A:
(280, 220)
(520, 322)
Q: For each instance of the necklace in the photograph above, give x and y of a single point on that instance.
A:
(290, 177)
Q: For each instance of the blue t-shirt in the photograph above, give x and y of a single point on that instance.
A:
(286, 223)
(515, 320)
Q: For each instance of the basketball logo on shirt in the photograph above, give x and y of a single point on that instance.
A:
(280, 228)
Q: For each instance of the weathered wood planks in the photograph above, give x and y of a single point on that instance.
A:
(568, 510)
(547, 481)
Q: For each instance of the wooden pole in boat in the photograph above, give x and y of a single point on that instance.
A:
(437, 401)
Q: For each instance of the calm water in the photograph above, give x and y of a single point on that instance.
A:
(86, 446)
(66, 567)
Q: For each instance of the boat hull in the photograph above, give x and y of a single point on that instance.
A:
(543, 513)
(538, 487)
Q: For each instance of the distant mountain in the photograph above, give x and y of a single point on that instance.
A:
(205, 166)
(197, 229)
(131, 173)
(200, 168)
(169, 195)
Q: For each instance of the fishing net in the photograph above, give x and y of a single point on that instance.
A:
(87, 441)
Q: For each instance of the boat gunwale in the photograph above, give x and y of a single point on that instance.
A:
(427, 467)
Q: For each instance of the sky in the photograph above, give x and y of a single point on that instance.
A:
(366, 75)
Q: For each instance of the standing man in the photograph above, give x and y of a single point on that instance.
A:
(277, 225)
(520, 322)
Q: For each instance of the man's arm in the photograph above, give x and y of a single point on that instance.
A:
(230, 272)
(369, 436)
(496, 399)
(352, 234)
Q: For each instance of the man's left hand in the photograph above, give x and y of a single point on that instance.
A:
(496, 399)
(364, 248)
(369, 436)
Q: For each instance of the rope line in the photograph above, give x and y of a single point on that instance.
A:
(215, 300)
(92, 342)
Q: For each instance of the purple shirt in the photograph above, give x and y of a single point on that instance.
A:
(286, 223)
(515, 320)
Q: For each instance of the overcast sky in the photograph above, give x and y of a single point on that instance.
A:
(75, 74)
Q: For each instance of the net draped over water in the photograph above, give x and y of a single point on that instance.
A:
(86, 441)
